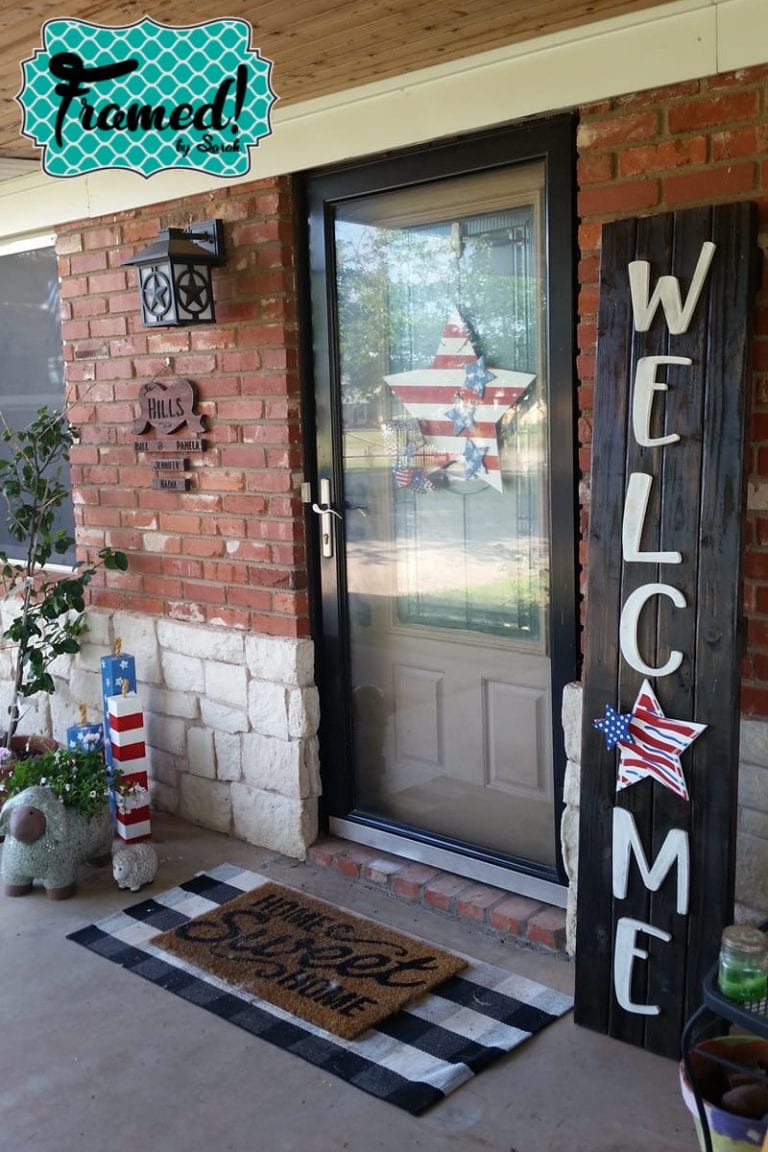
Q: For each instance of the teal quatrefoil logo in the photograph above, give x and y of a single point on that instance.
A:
(146, 97)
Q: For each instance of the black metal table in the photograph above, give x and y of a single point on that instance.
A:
(713, 1018)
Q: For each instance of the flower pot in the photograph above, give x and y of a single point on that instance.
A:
(23, 746)
(47, 842)
(20, 748)
(729, 1132)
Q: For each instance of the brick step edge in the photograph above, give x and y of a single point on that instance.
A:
(528, 921)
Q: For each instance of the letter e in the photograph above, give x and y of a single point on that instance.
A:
(642, 399)
(624, 953)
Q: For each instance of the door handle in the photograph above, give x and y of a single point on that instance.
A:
(325, 512)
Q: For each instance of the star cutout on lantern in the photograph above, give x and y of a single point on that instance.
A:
(193, 290)
(463, 416)
(476, 376)
(474, 459)
(614, 727)
(156, 291)
(658, 742)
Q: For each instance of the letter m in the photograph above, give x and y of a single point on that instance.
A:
(667, 293)
(674, 848)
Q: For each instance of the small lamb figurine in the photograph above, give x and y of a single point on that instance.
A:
(134, 865)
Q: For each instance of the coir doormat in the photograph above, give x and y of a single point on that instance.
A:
(316, 961)
(412, 1059)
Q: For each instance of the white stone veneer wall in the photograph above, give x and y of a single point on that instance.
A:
(231, 722)
(752, 840)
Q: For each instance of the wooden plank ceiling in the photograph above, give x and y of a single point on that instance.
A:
(318, 46)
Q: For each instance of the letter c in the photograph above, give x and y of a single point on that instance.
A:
(630, 615)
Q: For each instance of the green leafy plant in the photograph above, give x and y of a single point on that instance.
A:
(50, 621)
(78, 776)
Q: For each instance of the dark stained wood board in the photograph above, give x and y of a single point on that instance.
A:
(696, 508)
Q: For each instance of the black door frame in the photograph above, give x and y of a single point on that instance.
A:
(551, 140)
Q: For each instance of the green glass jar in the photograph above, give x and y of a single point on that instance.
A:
(743, 969)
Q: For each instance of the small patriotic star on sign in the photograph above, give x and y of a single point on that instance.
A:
(654, 745)
(614, 727)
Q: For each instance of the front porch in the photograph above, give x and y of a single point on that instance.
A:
(96, 1057)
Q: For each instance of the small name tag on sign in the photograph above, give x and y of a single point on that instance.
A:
(171, 483)
(168, 445)
(176, 464)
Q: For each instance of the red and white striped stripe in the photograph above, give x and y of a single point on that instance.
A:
(128, 740)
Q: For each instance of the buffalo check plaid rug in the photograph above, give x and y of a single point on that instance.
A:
(413, 1059)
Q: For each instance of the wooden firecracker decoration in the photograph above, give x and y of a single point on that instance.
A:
(128, 740)
(89, 737)
(117, 671)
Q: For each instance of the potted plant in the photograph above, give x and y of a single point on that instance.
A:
(55, 814)
(78, 777)
(50, 620)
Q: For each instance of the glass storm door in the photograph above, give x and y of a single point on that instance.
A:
(435, 516)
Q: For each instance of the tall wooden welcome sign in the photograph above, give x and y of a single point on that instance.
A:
(659, 766)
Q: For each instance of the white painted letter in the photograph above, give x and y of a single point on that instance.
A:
(667, 291)
(624, 953)
(674, 848)
(628, 628)
(635, 511)
(642, 399)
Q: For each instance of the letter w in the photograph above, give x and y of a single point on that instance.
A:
(667, 293)
(675, 847)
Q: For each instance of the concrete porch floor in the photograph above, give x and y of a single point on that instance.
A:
(92, 1057)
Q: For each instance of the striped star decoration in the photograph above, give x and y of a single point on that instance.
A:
(458, 384)
(650, 743)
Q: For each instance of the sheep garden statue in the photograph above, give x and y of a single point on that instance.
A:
(46, 841)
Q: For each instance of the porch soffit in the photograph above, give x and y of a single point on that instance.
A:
(319, 47)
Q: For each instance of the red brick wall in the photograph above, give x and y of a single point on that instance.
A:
(688, 144)
(231, 550)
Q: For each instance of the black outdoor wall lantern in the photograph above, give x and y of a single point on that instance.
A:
(175, 284)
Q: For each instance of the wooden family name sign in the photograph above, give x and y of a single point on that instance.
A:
(659, 768)
(166, 406)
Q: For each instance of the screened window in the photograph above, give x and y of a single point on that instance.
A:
(31, 365)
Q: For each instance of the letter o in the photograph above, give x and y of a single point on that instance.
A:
(630, 615)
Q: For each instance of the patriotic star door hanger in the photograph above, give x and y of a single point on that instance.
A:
(455, 408)
(659, 767)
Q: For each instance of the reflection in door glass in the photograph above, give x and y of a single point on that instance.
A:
(441, 318)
